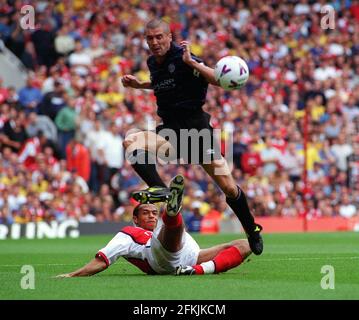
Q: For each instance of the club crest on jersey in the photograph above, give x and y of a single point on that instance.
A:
(171, 67)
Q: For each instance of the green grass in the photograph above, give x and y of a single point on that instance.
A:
(289, 268)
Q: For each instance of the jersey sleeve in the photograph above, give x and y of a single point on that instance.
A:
(199, 60)
(196, 73)
(119, 246)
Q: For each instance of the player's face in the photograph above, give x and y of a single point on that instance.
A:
(158, 41)
(147, 217)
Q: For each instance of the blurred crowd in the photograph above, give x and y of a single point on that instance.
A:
(61, 134)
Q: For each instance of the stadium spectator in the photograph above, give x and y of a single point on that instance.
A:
(4, 92)
(80, 60)
(270, 157)
(43, 40)
(292, 162)
(251, 160)
(78, 159)
(53, 101)
(14, 134)
(64, 42)
(112, 153)
(65, 121)
(95, 140)
(30, 96)
(30, 150)
(193, 218)
(36, 123)
(350, 109)
(211, 222)
(333, 127)
(341, 150)
(16, 39)
(85, 216)
(347, 209)
(316, 174)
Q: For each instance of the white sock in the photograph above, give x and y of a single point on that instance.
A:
(208, 267)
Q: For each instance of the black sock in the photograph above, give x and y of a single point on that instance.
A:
(241, 209)
(144, 163)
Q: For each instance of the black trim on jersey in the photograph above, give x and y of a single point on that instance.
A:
(100, 255)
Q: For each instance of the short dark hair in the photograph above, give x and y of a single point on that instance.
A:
(40, 133)
(156, 23)
(137, 209)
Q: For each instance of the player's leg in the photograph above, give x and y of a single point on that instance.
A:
(171, 233)
(141, 149)
(236, 199)
(218, 259)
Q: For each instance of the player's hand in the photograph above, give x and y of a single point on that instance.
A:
(130, 81)
(187, 58)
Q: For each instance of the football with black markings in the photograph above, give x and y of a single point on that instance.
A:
(231, 72)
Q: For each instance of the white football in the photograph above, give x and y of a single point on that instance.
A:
(231, 72)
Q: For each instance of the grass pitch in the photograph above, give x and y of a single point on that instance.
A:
(289, 268)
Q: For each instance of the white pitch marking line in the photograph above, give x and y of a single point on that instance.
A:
(41, 264)
(49, 264)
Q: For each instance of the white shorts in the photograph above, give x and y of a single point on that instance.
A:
(165, 262)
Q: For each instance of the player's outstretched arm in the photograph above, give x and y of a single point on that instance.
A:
(206, 72)
(94, 266)
(129, 80)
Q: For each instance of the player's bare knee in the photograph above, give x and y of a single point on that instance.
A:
(129, 140)
(231, 191)
(126, 143)
(134, 141)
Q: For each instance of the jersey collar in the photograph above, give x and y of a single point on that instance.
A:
(174, 48)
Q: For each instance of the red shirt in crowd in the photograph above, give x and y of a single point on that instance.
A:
(78, 159)
(28, 152)
(250, 162)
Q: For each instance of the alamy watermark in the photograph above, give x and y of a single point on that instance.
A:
(328, 281)
(27, 20)
(28, 280)
(328, 19)
(183, 146)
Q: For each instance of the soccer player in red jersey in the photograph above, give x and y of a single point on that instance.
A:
(164, 247)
